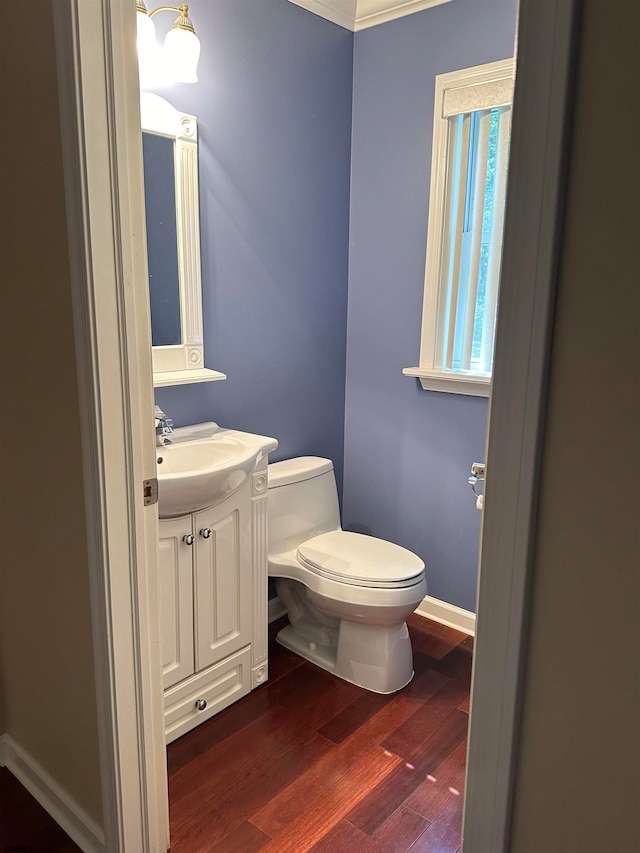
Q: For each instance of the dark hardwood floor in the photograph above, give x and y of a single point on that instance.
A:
(25, 827)
(310, 763)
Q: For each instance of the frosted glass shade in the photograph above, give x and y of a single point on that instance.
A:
(148, 51)
(146, 32)
(182, 52)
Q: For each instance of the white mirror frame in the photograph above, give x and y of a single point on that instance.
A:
(183, 363)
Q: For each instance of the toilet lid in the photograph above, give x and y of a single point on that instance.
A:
(360, 560)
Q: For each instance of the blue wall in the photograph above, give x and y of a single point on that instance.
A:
(278, 138)
(408, 451)
(274, 117)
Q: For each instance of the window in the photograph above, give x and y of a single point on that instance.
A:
(471, 132)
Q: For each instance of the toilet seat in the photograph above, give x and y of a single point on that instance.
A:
(359, 560)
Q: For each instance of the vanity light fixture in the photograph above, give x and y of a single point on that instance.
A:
(177, 60)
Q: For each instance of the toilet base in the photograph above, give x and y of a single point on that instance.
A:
(377, 658)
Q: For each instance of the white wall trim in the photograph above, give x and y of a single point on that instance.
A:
(341, 12)
(450, 383)
(276, 609)
(102, 153)
(78, 825)
(448, 614)
(541, 113)
(369, 13)
(360, 14)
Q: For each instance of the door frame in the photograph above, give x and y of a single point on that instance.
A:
(546, 52)
(102, 160)
(97, 82)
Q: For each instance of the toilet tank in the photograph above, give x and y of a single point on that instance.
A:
(302, 501)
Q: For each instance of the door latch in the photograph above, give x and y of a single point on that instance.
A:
(150, 491)
(478, 470)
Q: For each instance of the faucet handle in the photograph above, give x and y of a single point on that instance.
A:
(162, 421)
(164, 426)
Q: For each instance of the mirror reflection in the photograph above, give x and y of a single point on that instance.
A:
(162, 242)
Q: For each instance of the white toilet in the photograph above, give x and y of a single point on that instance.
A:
(347, 595)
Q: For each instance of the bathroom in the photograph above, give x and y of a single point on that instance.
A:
(282, 292)
(313, 287)
(288, 309)
(69, 547)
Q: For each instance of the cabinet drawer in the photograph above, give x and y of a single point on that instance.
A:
(219, 686)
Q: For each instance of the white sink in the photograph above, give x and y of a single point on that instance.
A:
(196, 472)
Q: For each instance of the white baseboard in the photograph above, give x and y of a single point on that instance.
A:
(448, 614)
(61, 806)
(276, 609)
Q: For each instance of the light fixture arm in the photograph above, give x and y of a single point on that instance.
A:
(182, 22)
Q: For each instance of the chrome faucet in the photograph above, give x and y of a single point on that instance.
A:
(164, 427)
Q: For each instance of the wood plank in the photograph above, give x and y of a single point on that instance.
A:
(329, 804)
(446, 781)
(282, 663)
(374, 809)
(426, 720)
(244, 772)
(397, 835)
(344, 837)
(353, 716)
(432, 638)
(244, 839)
(310, 698)
(206, 819)
(457, 662)
(24, 824)
(465, 705)
(444, 835)
(425, 683)
(338, 764)
(204, 737)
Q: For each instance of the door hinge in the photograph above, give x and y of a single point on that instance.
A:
(150, 491)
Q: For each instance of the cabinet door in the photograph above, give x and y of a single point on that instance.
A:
(223, 579)
(175, 583)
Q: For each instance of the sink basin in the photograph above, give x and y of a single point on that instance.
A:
(193, 474)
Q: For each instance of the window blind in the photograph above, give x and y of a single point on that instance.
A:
(478, 148)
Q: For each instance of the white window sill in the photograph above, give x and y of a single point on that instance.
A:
(451, 383)
(163, 378)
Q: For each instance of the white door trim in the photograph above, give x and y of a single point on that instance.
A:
(100, 118)
(541, 114)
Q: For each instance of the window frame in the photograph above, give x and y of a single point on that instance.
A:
(432, 377)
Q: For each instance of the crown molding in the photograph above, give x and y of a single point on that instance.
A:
(341, 12)
(369, 13)
(360, 14)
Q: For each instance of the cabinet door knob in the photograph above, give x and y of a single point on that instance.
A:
(201, 704)
(205, 532)
(188, 538)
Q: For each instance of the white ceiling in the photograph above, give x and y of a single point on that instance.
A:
(360, 14)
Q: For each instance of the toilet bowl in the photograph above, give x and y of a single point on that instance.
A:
(347, 595)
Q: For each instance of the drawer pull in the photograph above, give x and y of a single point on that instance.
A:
(205, 532)
(201, 704)
(188, 539)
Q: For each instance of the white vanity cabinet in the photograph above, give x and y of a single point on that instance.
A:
(213, 604)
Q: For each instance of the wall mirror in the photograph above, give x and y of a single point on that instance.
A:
(170, 155)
